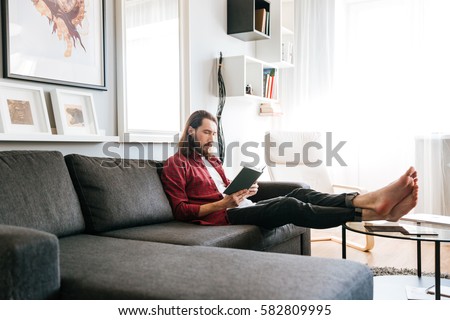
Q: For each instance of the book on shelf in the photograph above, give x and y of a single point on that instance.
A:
(269, 83)
(272, 85)
(287, 52)
(267, 29)
(269, 86)
(244, 180)
(266, 75)
(260, 20)
(270, 109)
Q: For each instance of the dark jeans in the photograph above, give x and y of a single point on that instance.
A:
(302, 207)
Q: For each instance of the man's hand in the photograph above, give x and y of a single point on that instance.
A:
(252, 190)
(233, 200)
(228, 201)
(236, 198)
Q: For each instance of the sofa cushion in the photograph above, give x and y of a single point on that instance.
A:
(94, 267)
(238, 236)
(117, 193)
(37, 192)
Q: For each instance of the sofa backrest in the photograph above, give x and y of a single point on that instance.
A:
(118, 193)
(36, 192)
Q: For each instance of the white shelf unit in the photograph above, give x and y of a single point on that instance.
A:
(241, 19)
(240, 71)
(5, 137)
(279, 48)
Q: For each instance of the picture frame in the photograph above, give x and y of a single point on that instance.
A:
(43, 44)
(74, 112)
(23, 110)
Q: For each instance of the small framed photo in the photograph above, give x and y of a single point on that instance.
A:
(74, 112)
(23, 110)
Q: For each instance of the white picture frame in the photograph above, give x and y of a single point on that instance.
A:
(23, 110)
(74, 112)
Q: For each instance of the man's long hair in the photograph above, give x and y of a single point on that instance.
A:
(187, 144)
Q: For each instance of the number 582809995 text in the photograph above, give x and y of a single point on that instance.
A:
(294, 310)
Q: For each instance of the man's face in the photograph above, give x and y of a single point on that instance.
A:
(204, 135)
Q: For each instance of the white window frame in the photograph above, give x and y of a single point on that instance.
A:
(149, 135)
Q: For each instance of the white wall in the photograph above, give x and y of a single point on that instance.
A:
(241, 122)
(208, 37)
(208, 32)
(105, 101)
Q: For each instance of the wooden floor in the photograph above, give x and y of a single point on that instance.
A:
(386, 252)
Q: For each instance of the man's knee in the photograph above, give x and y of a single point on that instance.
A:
(290, 203)
(298, 193)
(293, 210)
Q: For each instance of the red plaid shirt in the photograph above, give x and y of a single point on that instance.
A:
(188, 185)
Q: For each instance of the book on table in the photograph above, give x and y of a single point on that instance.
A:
(405, 230)
(445, 291)
(244, 180)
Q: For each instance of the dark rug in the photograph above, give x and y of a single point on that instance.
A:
(386, 271)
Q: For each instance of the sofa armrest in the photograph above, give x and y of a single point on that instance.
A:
(272, 189)
(29, 263)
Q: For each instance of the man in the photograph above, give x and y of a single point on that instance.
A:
(194, 181)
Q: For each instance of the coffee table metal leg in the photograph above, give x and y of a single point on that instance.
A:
(344, 244)
(419, 258)
(437, 270)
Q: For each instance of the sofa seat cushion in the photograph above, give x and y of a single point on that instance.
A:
(94, 267)
(118, 193)
(238, 236)
(37, 192)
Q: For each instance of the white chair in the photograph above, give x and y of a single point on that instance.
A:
(299, 156)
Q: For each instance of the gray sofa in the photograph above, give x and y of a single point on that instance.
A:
(79, 227)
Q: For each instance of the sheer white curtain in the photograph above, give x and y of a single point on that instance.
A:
(389, 62)
(393, 75)
(308, 84)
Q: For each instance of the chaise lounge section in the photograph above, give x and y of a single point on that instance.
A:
(79, 227)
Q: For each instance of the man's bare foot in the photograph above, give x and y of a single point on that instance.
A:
(406, 205)
(383, 200)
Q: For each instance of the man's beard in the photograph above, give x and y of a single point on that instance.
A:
(204, 150)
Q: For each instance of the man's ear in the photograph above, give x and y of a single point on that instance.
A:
(191, 130)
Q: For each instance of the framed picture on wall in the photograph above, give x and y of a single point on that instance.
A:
(23, 110)
(59, 42)
(74, 112)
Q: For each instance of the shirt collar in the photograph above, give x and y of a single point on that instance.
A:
(197, 157)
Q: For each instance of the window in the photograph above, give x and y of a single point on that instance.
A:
(395, 62)
(150, 69)
(392, 82)
(388, 61)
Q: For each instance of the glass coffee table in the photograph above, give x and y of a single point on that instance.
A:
(419, 230)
